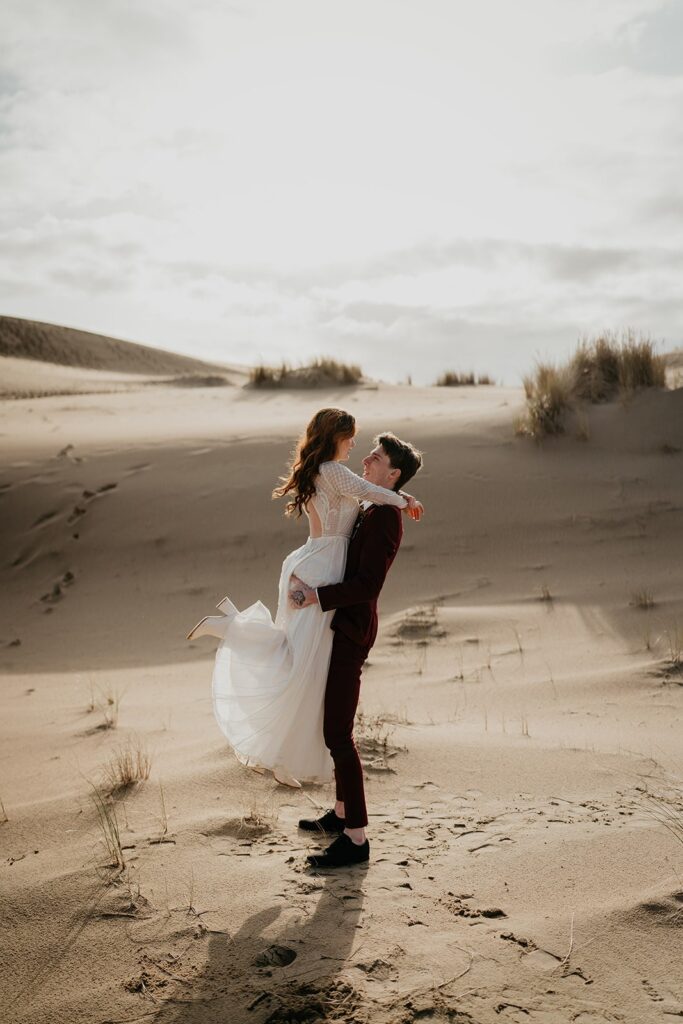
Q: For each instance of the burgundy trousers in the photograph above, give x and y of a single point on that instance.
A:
(341, 702)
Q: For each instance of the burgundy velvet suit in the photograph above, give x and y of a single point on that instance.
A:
(372, 549)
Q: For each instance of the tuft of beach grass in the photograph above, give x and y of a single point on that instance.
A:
(601, 369)
(456, 379)
(129, 765)
(321, 372)
(109, 828)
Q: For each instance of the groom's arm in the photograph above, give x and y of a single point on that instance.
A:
(381, 539)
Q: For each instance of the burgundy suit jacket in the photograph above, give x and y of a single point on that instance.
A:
(371, 552)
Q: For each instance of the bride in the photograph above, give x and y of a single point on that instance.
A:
(269, 677)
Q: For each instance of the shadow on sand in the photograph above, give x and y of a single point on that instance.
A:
(284, 963)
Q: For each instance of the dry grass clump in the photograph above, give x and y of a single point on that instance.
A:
(667, 808)
(599, 371)
(453, 379)
(3, 813)
(258, 815)
(320, 373)
(609, 366)
(420, 624)
(674, 664)
(109, 827)
(108, 703)
(129, 765)
(642, 599)
(548, 395)
(373, 733)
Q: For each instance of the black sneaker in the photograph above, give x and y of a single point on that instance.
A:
(330, 823)
(343, 851)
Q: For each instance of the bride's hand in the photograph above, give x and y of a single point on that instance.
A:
(414, 508)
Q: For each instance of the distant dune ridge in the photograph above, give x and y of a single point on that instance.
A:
(25, 342)
(50, 343)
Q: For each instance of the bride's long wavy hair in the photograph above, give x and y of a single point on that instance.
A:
(317, 445)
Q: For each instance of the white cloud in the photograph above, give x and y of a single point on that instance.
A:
(222, 176)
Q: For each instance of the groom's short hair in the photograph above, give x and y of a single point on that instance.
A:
(402, 455)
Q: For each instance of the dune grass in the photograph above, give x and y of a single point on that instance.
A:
(321, 372)
(453, 379)
(602, 369)
(109, 828)
(129, 765)
(674, 664)
(258, 813)
(107, 703)
(548, 396)
(373, 733)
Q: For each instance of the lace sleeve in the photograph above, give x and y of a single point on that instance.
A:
(343, 481)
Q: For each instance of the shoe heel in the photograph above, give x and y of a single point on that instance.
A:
(226, 606)
(195, 629)
(210, 625)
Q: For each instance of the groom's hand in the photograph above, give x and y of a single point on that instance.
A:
(300, 594)
(414, 509)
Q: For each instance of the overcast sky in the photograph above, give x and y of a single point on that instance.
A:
(415, 185)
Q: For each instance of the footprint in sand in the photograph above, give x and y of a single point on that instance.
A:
(57, 592)
(541, 959)
(457, 905)
(527, 944)
(652, 991)
(68, 453)
(490, 845)
(44, 518)
(53, 596)
(25, 556)
(76, 513)
(274, 956)
(89, 495)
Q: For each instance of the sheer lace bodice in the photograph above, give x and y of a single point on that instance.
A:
(337, 493)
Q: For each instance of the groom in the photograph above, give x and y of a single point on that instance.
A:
(373, 545)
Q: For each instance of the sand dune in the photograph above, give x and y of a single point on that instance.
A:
(38, 359)
(521, 720)
(51, 343)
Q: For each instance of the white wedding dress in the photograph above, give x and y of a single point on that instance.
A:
(269, 678)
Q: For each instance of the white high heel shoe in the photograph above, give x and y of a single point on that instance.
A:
(215, 625)
(210, 625)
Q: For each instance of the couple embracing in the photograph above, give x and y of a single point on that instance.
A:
(286, 691)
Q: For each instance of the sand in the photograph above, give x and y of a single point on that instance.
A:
(521, 720)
